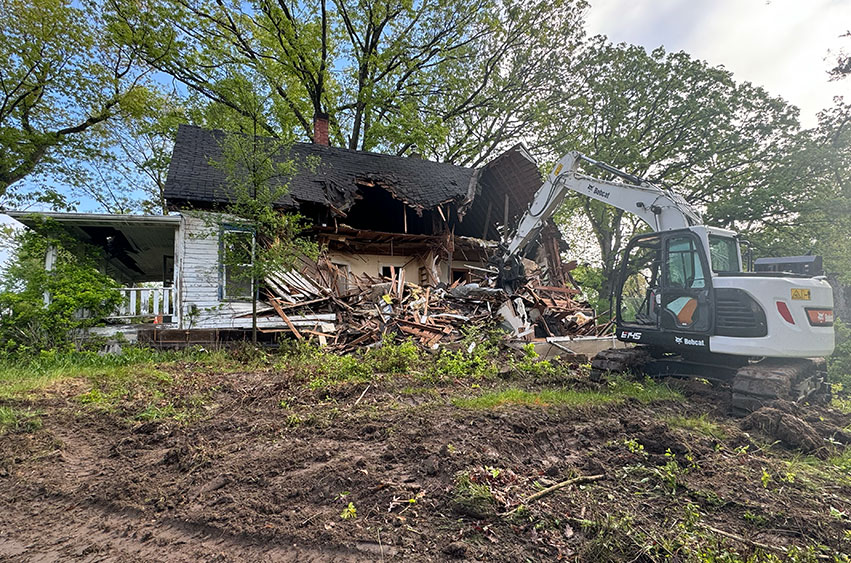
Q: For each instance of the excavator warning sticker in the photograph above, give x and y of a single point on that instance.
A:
(800, 294)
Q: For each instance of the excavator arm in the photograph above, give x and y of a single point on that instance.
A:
(660, 208)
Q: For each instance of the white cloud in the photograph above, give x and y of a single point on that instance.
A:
(782, 45)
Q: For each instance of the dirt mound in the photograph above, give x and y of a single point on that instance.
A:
(785, 422)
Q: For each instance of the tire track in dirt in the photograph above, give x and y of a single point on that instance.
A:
(58, 516)
(50, 527)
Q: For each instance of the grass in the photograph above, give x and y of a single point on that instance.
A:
(134, 384)
(19, 420)
(700, 424)
(21, 378)
(618, 390)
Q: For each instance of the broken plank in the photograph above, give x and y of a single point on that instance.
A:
(286, 319)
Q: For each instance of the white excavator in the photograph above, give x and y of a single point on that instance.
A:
(684, 299)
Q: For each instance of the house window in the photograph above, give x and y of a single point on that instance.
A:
(341, 280)
(461, 276)
(237, 261)
(386, 272)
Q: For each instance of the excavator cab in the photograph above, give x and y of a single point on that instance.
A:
(664, 294)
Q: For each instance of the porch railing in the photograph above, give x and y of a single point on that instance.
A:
(146, 302)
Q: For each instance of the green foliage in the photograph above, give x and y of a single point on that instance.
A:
(675, 120)
(394, 358)
(618, 390)
(839, 364)
(22, 376)
(80, 295)
(530, 363)
(350, 512)
(590, 279)
(459, 364)
(454, 80)
(63, 80)
(323, 369)
(13, 419)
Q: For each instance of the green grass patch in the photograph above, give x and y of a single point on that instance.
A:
(19, 378)
(19, 420)
(700, 424)
(618, 390)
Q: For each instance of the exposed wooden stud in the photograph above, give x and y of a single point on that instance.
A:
(505, 214)
(486, 228)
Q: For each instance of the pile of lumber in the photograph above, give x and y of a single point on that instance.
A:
(345, 312)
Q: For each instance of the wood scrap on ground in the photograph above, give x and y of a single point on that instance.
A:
(366, 309)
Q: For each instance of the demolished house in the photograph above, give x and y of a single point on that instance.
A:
(404, 225)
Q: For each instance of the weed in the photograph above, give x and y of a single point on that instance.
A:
(700, 424)
(350, 512)
(459, 364)
(671, 472)
(765, 478)
(635, 448)
(530, 363)
(19, 420)
(393, 358)
(473, 496)
(755, 519)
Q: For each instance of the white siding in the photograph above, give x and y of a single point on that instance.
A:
(198, 263)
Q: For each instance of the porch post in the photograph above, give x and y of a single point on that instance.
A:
(49, 264)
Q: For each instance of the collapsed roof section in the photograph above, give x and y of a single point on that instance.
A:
(363, 190)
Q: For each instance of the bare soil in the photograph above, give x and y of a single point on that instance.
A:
(270, 469)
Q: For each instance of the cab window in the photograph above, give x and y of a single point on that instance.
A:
(724, 253)
(684, 268)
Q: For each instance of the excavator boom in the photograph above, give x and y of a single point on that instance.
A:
(660, 208)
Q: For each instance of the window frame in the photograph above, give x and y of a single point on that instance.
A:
(224, 230)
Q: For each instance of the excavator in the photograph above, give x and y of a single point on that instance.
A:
(684, 299)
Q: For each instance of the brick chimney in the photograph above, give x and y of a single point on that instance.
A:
(320, 129)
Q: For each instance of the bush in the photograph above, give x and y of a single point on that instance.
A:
(80, 295)
(839, 364)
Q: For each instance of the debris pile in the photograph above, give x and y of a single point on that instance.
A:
(318, 299)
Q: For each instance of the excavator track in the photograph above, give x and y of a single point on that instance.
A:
(771, 379)
(618, 360)
(753, 385)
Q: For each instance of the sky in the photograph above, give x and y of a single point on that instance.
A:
(783, 45)
(786, 46)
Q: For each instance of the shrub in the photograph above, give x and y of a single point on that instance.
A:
(79, 294)
(839, 364)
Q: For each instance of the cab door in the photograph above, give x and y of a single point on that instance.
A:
(684, 302)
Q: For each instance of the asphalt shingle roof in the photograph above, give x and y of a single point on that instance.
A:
(193, 179)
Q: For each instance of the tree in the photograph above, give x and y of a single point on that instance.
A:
(266, 239)
(135, 152)
(61, 79)
(454, 80)
(843, 63)
(671, 119)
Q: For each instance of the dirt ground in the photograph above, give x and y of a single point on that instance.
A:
(398, 470)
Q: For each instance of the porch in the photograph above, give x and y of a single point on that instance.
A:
(138, 253)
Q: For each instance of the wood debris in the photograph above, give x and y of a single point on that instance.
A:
(347, 311)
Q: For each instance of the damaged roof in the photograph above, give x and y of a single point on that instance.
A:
(193, 179)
